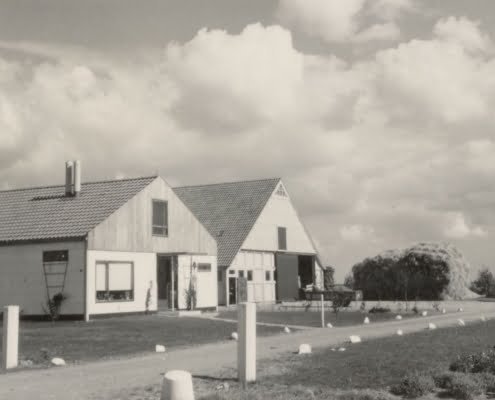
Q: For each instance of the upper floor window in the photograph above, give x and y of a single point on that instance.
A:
(282, 238)
(160, 218)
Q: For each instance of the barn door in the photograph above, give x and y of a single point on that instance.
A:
(287, 276)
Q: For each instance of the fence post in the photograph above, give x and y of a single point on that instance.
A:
(322, 311)
(10, 342)
(246, 345)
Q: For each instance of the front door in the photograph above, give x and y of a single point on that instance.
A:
(232, 290)
(166, 281)
(287, 266)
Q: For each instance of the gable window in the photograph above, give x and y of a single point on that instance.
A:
(160, 218)
(114, 281)
(282, 238)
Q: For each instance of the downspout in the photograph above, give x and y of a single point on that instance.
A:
(86, 296)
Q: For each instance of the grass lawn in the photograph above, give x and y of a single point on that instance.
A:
(119, 336)
(349, 375)
(313, 318)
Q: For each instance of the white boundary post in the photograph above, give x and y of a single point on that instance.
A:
(246, 345)
(10, 342)
(322, 311)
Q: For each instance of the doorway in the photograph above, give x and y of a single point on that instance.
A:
(232, 290)
(167, 282)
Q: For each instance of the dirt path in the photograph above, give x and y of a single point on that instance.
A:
(105, 379)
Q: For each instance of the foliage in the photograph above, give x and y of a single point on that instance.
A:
(378, 309)
(414, 385)
(484, 284)
(328, 277)
(426, 271)
(191, 297)
(339, 300)
(147, 301)
(463, 386)
(54, 305)
(476, 363)
(366, 394)
(349, 281)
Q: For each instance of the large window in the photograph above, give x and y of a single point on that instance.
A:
(160, 218)
(114, 281)
(282, 238)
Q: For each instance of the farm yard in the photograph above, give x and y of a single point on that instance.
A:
(116, 337)
(364, 371)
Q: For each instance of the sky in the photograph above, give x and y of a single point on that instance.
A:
(377, 114)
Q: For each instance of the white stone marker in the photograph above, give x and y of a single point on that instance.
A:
(287, 329)
(432, 326)
(399, 332)
(234, 336)
(483, 318)
(159, 348)
(304, 349)
(246, 346)
(341, 348)
(177, 385)
(444, 310)
(461, 322)
(460, 309)
(366, 321)
(424, 313)
(10, 342)
(398, 317)
(329, 325)
(57, 361)
(355, 339)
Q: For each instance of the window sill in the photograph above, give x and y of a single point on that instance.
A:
(114, 301)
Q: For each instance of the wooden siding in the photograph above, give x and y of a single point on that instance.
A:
(129, 228)
(279, 212)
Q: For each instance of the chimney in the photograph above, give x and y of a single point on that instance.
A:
(69, 177)
(77, 177)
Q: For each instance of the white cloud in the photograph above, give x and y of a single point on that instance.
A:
(465, 32)
(457, 227)
(342, 21)
(331, 20)
(355, 232)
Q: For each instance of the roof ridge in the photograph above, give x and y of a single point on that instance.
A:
(230, 182)
(82, 183)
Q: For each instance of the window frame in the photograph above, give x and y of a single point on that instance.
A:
(107, 282)
(153, 226)
(268, 274)
(204, 267)
(249, 275)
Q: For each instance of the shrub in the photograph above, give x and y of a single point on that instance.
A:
(476, 363)
(414, 385)
(366, 394)
(464, 387)
(378, 309)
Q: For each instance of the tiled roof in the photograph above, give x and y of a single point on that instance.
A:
(45, 213)
(228, 211)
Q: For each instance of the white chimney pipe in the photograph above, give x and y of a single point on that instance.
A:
(77, 177)
(69, 177)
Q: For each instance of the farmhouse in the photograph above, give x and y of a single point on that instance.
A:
(118, 246)
(260, 237)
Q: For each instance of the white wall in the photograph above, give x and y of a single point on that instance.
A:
(206, 289)
(259, 290)
(278, 211)
(144, 274)
(22, 279)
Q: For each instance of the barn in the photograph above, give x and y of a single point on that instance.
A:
(260, 237)
(115, 246)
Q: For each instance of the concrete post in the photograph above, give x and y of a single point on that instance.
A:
(10, 342)
(177, 385)
(322, 311)
(246, 345)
